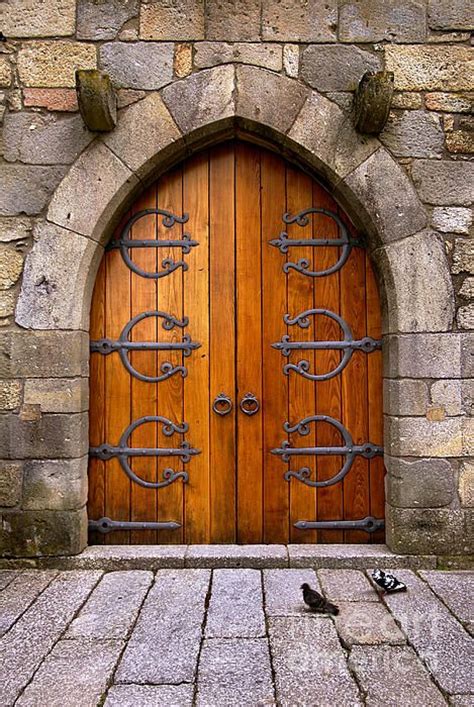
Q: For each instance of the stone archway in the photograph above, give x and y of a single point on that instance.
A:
(158, 131)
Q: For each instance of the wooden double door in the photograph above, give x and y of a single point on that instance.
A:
(235, 367)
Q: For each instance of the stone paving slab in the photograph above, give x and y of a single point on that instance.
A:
(462, 700)
(354, 557)
(456, 589)
(150, 696)
(7, 576)
(393, 675)
(309, 663)
(438, 638)
(112, 607)
(235, 672)
(236, 605)
(346, 585)
(367, 623)
(20, 593)
(74, 674)
(26, 644)
(164, 645)
(283, 595)
(250, 556)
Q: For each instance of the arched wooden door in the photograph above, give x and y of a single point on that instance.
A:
(235, 367)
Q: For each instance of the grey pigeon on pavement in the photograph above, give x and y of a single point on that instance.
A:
(388, 582)
(316, 602)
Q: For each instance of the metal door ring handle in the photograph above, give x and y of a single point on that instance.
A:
(249, 404)
(222, 404)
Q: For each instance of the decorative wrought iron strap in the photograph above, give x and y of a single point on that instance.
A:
(369, 524)
(349, 450)
(123, 345)
(283, 242)
(124, 243)
(347, 345)
(123, 451)
(106, 525)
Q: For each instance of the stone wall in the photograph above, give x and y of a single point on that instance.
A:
(324, 48)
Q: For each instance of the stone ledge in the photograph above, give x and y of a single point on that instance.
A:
(153, 557)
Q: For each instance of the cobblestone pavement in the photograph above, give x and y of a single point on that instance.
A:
(233, 636)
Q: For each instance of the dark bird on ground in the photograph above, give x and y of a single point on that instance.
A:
(316, 602)
(388, 582)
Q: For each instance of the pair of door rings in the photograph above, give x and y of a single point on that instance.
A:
(223, 404)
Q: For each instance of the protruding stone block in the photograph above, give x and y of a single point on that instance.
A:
(373, 98)
(97, 99)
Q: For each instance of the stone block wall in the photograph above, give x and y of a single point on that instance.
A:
(324, 48)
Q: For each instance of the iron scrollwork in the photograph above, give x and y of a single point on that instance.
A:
(283, 243)
(123, 451)
(347, 345)
(349, 450)
(123, 345)
(125, 243)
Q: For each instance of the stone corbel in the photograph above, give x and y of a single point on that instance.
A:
(373, 98)
(97, 99)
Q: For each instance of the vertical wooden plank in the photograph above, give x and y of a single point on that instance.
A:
(222, 342)
(96, 497)
(170, 391)
(117, 392)
(328, 392)
(196, 308)
(249, 342)
(301, 390)
(354, 390)
(275, 383)
(144, 394)
(374, 373)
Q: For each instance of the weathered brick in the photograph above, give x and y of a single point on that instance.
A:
(378, 20)
(174, 21)
(419, 67)
(44, 139)
(450, 102)
(463, 256)
(55, 484)
(233, 20)
(444, 183)
(34, 18)
(465, 317)
(58, 395)
(33, 533)
(27, 189)
(291, 60)
(452, 219)
(53, 63)
(300, 21)
(5, 71)
(138, 65)
(102, 20)
(340, 68)
(10, 395)
(266, 55)
(407, 100)
(11, 265)
(455, 14)
(466, 484)
(427, 483)
(413, 133)
(183, 59)
(11, 481)
(54, 99)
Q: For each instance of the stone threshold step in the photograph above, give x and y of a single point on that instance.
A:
(154, 557)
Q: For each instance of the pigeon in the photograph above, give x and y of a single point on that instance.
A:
(316, 602)
(388, 582)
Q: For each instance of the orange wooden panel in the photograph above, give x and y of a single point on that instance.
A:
(301, 390)
(170, 391)
(117, 392)
(374, 372)
(222, 342)
(196, 387)
(328, 392)
(249, 343)
(144, 393)
(354, 391)
(96, 498)
(275, 383)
